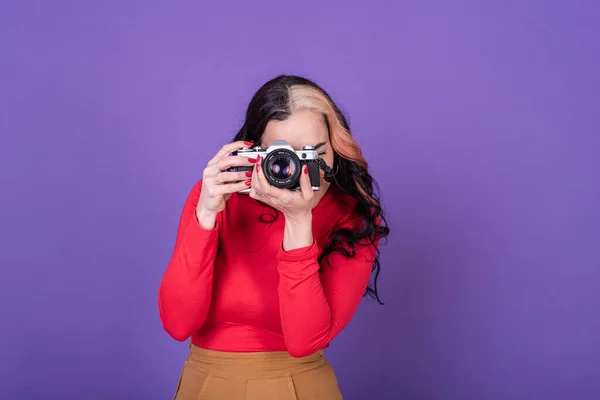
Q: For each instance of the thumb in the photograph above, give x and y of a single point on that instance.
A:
(305, 185)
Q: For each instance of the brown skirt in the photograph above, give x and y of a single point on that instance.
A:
(216, 375)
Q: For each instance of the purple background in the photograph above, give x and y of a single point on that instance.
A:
(480, 120)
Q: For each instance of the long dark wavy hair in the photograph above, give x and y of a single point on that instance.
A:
(277, 100)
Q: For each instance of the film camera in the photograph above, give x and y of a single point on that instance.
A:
(282, 165)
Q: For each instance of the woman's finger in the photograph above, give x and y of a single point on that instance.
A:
(305, 185)
(257, 186)
(226, 163)
(229, 177)
(255, 173)
(229, 188)
(235, 161)
(228, 149)
(262, 183)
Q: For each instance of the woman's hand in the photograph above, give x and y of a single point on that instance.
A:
(295, 205)
(218, 184)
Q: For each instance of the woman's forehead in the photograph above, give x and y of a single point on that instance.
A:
(303, 128)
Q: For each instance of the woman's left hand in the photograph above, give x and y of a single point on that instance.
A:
(294, 204)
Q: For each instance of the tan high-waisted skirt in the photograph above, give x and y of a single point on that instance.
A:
(215, 375)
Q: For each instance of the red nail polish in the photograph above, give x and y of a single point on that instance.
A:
(248, 183)
(306, 169)
(249, 174)
(258, 158)
(252, 160)
(248, 143)
(257, 168)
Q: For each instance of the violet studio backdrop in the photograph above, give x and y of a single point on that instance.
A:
(480, 122)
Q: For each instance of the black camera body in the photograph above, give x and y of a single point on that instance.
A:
(282, 165)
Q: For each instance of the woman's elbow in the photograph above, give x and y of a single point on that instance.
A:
(299, 350)
(176, 326)
(181, 335)
(176, 330)
(179, 319)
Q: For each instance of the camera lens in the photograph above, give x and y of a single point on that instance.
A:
(282, 168)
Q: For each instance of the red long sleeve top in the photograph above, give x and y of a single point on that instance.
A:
(233, 288)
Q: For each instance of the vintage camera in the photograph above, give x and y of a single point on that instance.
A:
(282, 165)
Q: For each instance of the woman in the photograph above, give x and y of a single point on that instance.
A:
(263, 281)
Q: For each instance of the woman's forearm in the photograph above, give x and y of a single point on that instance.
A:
(297, 232)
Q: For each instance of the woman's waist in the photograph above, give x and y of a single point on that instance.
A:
(241, 364)
(238, 337)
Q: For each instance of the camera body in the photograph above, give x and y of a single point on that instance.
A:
(282, 165)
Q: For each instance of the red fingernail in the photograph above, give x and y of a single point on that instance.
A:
(258, 158)
(252, 160)
(248, 183)
(257, 168)
(306, 169)
(249, 174)
(248, 143)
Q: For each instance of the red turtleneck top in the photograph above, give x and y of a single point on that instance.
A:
(233, 288)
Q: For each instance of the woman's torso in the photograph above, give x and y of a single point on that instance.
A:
(244, 313)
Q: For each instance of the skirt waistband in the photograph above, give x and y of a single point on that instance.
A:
(254, 365)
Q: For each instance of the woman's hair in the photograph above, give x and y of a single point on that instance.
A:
(277, 100)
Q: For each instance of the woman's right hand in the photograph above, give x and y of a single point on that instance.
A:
(218, 184)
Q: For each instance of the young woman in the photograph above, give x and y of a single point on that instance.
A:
(264, 279)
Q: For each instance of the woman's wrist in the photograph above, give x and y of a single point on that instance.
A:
(297, 232)
(206, 220)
